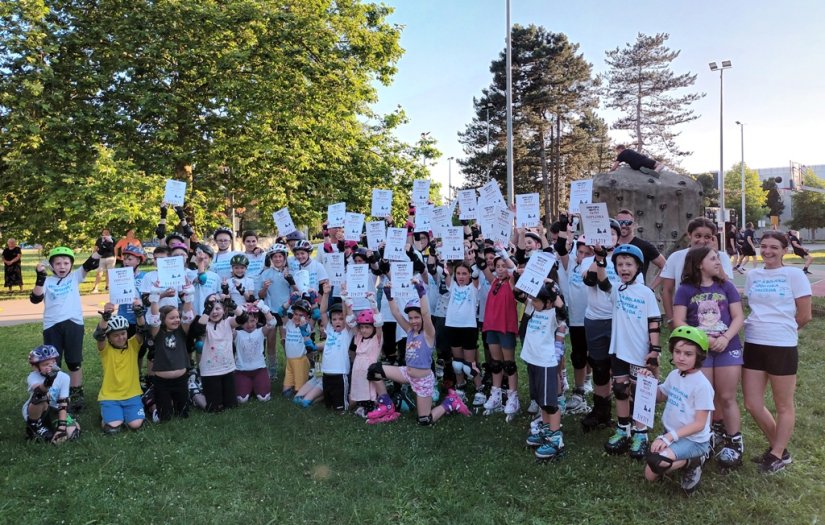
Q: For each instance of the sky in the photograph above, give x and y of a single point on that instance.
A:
(776, 86)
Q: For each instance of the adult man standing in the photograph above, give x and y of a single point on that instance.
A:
(636, 161)
(627, 235)
(106, 249)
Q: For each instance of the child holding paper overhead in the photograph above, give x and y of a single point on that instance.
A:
(462, 329)
(685, 443)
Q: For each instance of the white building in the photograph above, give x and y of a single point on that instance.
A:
(786, 193)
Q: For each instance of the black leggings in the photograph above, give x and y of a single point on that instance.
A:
(219, 392)
(578, 344)
(171, 396)
(393, 350)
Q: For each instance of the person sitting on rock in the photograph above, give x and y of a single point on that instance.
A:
(636, 161)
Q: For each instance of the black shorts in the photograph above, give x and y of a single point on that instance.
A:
(598, 338)
(775, 360)
(463, 337)
(747, 251)
(336, 391)
(67, 337)
(801, 253)
(620, 367)
(543, 384)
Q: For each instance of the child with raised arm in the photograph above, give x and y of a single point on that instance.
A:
(216, 360)
(418, 371)
(685, 442)
(335, 365)
(250, 364)
(367, 342)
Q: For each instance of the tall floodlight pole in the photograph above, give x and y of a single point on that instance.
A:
(742, 168)
(510, 195)
(726, 64)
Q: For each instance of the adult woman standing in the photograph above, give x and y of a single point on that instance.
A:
(780, 300)
(11, 263)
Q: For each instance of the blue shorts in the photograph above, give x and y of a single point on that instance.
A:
(686, 449)
(127, 410)
(597, 332)
(504, 339)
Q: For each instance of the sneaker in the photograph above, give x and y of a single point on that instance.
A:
(638, 444)
(552, 445)
(383, 414)
(731, 454)
(479, 399)
(493, 402)
(512, 406)
(771, 464)
(786, 456)
(534, 407)
(537, 439)
(692, 474)
(588, 384)
(576, 404)
(806, 271)
(454, 404)
(37, 431)
(619, 441)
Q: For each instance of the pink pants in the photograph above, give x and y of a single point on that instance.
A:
(249, 381)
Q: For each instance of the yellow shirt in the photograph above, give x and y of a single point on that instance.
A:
(121, 377)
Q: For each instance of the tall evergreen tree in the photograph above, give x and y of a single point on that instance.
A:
(641, 84)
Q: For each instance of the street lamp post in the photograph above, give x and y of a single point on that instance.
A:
(726, 64)
(509, 61)
(742, 166)
(450, 178)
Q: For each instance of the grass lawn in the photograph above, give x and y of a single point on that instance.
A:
(276, 463)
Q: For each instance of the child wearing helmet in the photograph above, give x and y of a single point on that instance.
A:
(317, 273)
(63, 313)
(418, 370)
(251, 376)
(685, 442)
(634, 344)
(241, 287)
(274, 286)
(707, 300)
(368, 342)
(335, 365)
(120, 392)
(297, 341)
(221, 262)
(132, 257)
(47, 405)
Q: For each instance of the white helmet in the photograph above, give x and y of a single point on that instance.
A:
(117, 322)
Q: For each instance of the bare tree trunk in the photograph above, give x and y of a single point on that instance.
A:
(639, 142)
(557, 178)
(545, 175)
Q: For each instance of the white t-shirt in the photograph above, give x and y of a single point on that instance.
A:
(293, 341)
(256, 264)
(675, 265)
(463, 306)
(248, 285)
(249, 349)
(599, 304)
(539, 341)
(771, 296)
(220, 264)
(483, 290)
(62, 299)
(217, 358)
(575, 291)
(148, 283)
(686, 395)
(629, 336)
(336, 351)
(202, 291)
(58, 390)
(317, 273)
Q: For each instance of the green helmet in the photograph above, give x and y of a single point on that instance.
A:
(692, 334)
(61, 250)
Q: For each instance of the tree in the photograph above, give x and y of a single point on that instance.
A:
(640, 84)
(755, 194)
(809, 206)
(248, 101)
(556, 136)
(774, 200)
(710, 189)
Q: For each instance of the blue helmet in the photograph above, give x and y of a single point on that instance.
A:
(43, 353)
(631, 250)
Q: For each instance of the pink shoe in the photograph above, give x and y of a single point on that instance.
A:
(453, 403)
(382, 414)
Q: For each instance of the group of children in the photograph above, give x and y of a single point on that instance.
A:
(213, 342)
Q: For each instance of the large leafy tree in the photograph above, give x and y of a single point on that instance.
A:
(809, 206)
(556, 136)
(264, 102)
(755, 194)
(641, 85)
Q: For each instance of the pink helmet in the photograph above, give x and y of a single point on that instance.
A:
(365, 317)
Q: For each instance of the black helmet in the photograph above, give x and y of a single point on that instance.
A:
(239, 259)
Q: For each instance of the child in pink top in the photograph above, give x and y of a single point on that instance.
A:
(368, 341)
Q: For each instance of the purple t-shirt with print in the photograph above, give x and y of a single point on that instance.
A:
(707, 308)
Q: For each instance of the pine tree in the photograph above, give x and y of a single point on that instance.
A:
(641, 85)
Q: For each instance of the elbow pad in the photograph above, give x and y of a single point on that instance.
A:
(561, 314)
(605, 285)
(561, 246)
(91, 264)
(590, 279)
(99, 334)
(35, 299)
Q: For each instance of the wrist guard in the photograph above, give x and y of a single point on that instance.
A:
(91, 264)
(41, 279)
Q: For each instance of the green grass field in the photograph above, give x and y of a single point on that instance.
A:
(275, 463)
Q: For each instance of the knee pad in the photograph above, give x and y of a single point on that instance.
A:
(621, 390)
(375, 372)
(496, 366)
(425, 421)
(550, 409)
(601, 371)
(658, 463)
(73, 367)
(510, 367)
(110, 430)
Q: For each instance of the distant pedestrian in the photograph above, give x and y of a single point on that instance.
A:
(106, 249)
(636, 161)
(11, 265)
(796, 246)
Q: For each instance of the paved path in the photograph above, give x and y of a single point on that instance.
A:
(18, 311)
